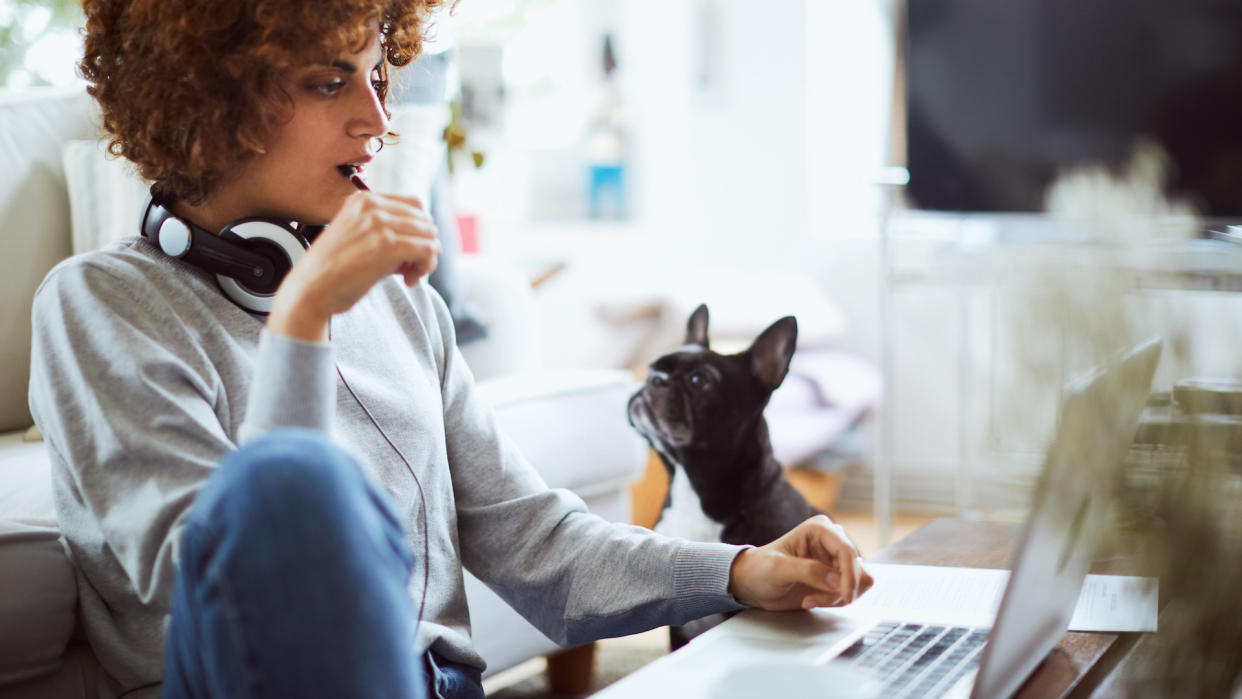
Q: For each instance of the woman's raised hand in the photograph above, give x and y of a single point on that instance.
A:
(372, 236)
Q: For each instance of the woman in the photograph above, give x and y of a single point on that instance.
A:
(302, 540)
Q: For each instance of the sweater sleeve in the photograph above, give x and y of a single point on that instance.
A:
(130, 424)
(575, 576)
(295, 386)
(135, 417)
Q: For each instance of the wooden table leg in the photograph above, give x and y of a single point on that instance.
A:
(571, 671)
(647, 495)
(820, 488)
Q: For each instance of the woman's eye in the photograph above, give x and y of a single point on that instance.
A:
(379, 85)
(331, 87)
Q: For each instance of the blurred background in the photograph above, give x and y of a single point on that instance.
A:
(965, 203)
(856, 164)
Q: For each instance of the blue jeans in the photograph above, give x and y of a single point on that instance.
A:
(293, 583)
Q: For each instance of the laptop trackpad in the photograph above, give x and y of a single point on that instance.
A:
(792, 681)
(759, 638)
(818, 626)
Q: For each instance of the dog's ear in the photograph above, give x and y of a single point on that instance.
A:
(696, 329)
(772, 350)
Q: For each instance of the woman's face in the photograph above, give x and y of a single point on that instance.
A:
(335, 118)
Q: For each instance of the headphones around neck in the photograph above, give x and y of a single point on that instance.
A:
(250, 257)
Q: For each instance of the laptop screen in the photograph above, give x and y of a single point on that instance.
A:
(1099, 416)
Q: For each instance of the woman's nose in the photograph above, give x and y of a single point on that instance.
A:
(369, 119)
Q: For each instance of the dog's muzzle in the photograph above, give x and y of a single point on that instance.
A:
(645, 417)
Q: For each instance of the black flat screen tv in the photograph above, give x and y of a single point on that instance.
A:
(1001, 95)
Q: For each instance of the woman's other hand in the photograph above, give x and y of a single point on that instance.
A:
(372, 236)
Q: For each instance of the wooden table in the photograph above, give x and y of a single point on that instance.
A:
(1081, 662)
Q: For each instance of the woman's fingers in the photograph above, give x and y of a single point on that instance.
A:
(812, 573)
(829, 544)
(849, 575)
(416, 258)
(405, 233)
(398, 225)
(365, 211)
(410, 201)
(822, 600)
(372, 236)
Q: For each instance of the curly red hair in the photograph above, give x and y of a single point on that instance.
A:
(189, 89)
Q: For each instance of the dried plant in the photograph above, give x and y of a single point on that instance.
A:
(1078, 302)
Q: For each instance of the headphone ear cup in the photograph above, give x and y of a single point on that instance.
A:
(278, 243)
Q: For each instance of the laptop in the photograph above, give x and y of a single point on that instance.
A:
(808, 654)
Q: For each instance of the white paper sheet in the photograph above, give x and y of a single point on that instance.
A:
(971, 597)
(1117, 603)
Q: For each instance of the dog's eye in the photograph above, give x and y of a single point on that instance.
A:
(699, 380)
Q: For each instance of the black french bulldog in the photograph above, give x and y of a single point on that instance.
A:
(703, 414)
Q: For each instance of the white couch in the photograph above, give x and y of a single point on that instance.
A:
(571, 424)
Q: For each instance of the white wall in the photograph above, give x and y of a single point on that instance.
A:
(755, 127)
(749, 122)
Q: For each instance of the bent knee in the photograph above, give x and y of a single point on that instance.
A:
(295, 497)
(282, 473)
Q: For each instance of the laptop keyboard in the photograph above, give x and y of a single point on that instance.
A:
(913, 660)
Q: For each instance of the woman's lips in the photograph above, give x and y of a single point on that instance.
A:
(353, 173)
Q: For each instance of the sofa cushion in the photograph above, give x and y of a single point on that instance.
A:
(106, 194)
(38, 593)
(572, 426)
(34, 215)
(25, 472)
(79, 677)
(499, 288)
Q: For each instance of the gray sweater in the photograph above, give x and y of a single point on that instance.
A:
(143, 376)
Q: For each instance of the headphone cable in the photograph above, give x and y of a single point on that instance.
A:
(422, 499)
